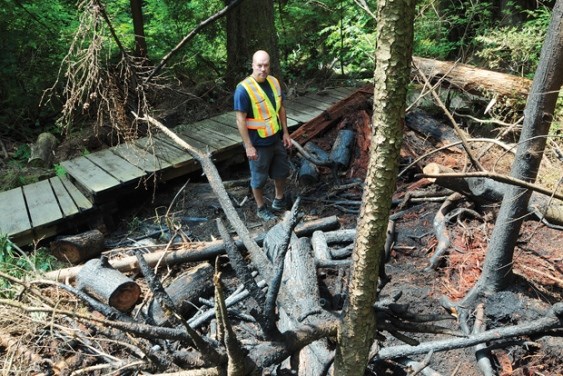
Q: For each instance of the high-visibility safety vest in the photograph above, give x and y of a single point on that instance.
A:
(265, 119)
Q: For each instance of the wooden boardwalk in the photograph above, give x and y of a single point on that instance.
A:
(97, 180)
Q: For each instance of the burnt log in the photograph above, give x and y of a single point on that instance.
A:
(100, 280)
(308, 173)
(300, 277)
(185, 291)
(78, 248)
(474, 80)
(42, 150)
(341, 152)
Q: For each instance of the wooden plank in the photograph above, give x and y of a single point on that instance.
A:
(324, 101)
(42, 203)
(14, 219)
(81, 202)
(209, 137)
(228, 118)
(163, 150)
(116, 166)
(93, 179)
(304, 109)
(140, 158)
(213, 126)
(66, 203)
(199, 145)
(296, 116)
(307, 101)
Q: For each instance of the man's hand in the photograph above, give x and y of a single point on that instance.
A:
(287, 141)
(251, 153)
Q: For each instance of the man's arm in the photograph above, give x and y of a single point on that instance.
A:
(243, 130)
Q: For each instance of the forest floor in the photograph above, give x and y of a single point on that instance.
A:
(538, 262)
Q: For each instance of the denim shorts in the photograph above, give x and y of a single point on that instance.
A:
(272, 162)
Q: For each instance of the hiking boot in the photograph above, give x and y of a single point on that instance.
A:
(265, 214)
(282, 204)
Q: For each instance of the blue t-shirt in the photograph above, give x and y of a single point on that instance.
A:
(243, 104)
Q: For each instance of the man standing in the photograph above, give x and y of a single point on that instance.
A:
(262, 124)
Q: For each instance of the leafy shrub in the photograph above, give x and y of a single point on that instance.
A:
(515, 49)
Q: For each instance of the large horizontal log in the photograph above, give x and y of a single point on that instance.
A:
(473, 79)
(207, 252)
(78, 248)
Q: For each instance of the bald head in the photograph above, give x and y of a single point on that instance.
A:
(260, 65)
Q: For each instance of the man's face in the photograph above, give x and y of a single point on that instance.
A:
(260, 67)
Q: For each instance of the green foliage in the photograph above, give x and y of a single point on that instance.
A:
(60, 170)
(329, 36)
(431, 35)
(33, 39)
(515, 49)
(18, 264)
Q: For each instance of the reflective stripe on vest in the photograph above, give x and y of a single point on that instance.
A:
(265, 120)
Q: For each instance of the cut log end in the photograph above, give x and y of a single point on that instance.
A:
(125, 296)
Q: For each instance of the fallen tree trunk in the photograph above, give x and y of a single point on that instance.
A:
(474, 80)
(184, 292)
(341, 152)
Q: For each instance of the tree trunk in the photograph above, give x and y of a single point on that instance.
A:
(538, 115)
(250, 27)
(392, 74)
(139, 28)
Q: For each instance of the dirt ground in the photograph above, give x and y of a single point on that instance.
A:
(538, 264)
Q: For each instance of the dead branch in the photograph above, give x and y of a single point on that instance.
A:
(481, 351)
(440, 229)
(551, 321)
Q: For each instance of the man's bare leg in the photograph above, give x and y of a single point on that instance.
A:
(279, 185)
(258, 197)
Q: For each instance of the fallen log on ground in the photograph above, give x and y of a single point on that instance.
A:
(184, 292)
(473, 79)
(99, 279)
(206, 252)
(78, 248)
(342, 148)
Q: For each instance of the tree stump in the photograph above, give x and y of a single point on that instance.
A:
(185, 291)
(100, 280)
(42, 150)
(78, 248)
(341, 152)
